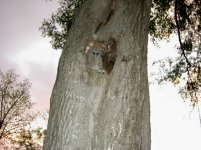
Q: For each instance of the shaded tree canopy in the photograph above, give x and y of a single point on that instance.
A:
(14, 104)
(168, 17)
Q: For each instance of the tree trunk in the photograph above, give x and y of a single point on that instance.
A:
(111, 111)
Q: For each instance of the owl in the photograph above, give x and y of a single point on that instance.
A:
(101, 56)
(95, 55)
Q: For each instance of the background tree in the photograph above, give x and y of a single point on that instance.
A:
(31, 138)
(6, 145)
(15, 104)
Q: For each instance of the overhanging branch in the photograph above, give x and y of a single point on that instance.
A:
(179, 35)
(183, 52)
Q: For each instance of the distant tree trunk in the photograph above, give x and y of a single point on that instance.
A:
(103, 111)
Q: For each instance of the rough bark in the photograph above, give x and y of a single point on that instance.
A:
(91, 111)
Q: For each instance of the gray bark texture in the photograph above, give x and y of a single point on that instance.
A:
(96, 111)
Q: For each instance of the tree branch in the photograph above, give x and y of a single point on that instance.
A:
(5, 115)
(194, 91)
(179, 35)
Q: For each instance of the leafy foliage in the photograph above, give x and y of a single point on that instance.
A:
(30, 138)
(27, 139)
(161, 21)
(57, 27)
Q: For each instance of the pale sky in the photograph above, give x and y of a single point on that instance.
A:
(23, 48)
